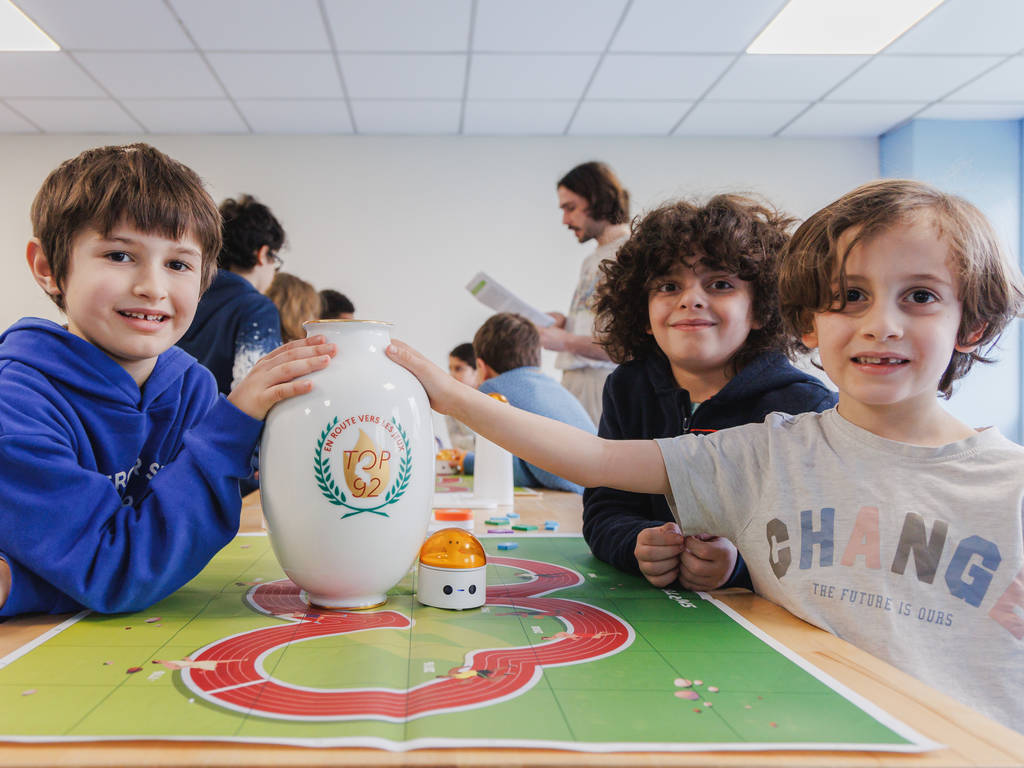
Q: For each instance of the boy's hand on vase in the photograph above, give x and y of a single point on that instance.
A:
(658, 552)
(706, 562)
(441, 387)
(276, 375)
(5, 581)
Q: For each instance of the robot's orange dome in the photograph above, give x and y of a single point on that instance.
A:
(453, 548)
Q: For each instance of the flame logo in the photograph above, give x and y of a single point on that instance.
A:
(367, 468)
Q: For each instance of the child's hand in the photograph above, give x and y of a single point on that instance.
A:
(440, 386)
(274, 377)
(5, 581)
(707, 562)
(658, 552)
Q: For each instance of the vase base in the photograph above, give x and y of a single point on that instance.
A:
(345, 604)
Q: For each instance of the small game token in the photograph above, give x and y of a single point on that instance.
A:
(511, 514)
(551, 525)
(497, 521)
(501, 530)
(522, 527)
(450, 515)
(507, 545)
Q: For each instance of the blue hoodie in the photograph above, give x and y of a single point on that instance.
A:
(111, 497)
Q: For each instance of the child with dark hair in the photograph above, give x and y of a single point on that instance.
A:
(508, 348)
(236, 324)
(336, 305)
(119, 463)
(690, 310)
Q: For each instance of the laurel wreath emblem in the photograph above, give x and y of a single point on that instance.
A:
(330, 490)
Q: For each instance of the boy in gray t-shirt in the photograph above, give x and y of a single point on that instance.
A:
(885, 520)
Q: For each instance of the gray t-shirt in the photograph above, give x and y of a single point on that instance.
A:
(912, 553)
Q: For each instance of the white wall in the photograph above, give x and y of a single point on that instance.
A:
(400, 224)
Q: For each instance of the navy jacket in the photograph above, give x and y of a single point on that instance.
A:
(235, 325)
(643, 401)
(111, 497)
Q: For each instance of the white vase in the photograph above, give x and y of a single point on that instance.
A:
(347, 472)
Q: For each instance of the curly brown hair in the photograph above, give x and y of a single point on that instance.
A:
(729, 232)
(991, 288)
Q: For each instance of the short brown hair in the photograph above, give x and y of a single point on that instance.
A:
(729, 232)
(135, 183)
(506, 341)
(607, 200)
(991, 288)
(297, 301)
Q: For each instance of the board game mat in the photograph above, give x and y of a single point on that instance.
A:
(568, 653)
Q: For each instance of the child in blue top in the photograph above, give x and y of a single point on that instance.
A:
(689, 308)
(119, 462)
(885, 520)
(507, 348)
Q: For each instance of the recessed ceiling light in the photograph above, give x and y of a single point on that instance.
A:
(839, 26)
(19, 33)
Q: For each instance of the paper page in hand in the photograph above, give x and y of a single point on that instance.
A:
(496, 296)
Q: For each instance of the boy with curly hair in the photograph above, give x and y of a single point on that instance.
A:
(690, 311)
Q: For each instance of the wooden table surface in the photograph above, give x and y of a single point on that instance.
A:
(971, 739)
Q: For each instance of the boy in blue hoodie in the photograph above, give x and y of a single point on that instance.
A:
(119, 461)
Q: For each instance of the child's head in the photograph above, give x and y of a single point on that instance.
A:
(297, 301)
(134, 184)
(813, 274)
(462, 364)
(248, 226)
(727, 235)
(337, 306)
(506, 341)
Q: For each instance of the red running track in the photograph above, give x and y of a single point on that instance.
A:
(490, 675)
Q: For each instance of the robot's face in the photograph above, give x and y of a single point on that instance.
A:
(452, 571)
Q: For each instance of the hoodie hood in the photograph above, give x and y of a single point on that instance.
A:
(72, 363)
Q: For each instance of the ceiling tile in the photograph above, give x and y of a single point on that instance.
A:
(12, 122)
(254, 25)
(646, 76)
(145, 75)
(277, 75)
(545, 25)
(186, 115)
(845, 119)
(966, 26)
(77, 115)
(628, 118)
(407, 117)
(517, 118)
(783, 78)
(497, 76)
(1004, 83)
(404, 75)
(270, 116)
(899, 78)
(739, 118)
(976, 111)
(44, 75)
(726, 26)
(138, 25)
(399, 25)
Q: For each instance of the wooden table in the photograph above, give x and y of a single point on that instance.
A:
(972, 740)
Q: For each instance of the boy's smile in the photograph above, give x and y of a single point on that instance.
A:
(889, 346)
(699, 318)
(132, 294)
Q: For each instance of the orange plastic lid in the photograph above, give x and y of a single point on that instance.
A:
(453, 548)
(453, 514)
